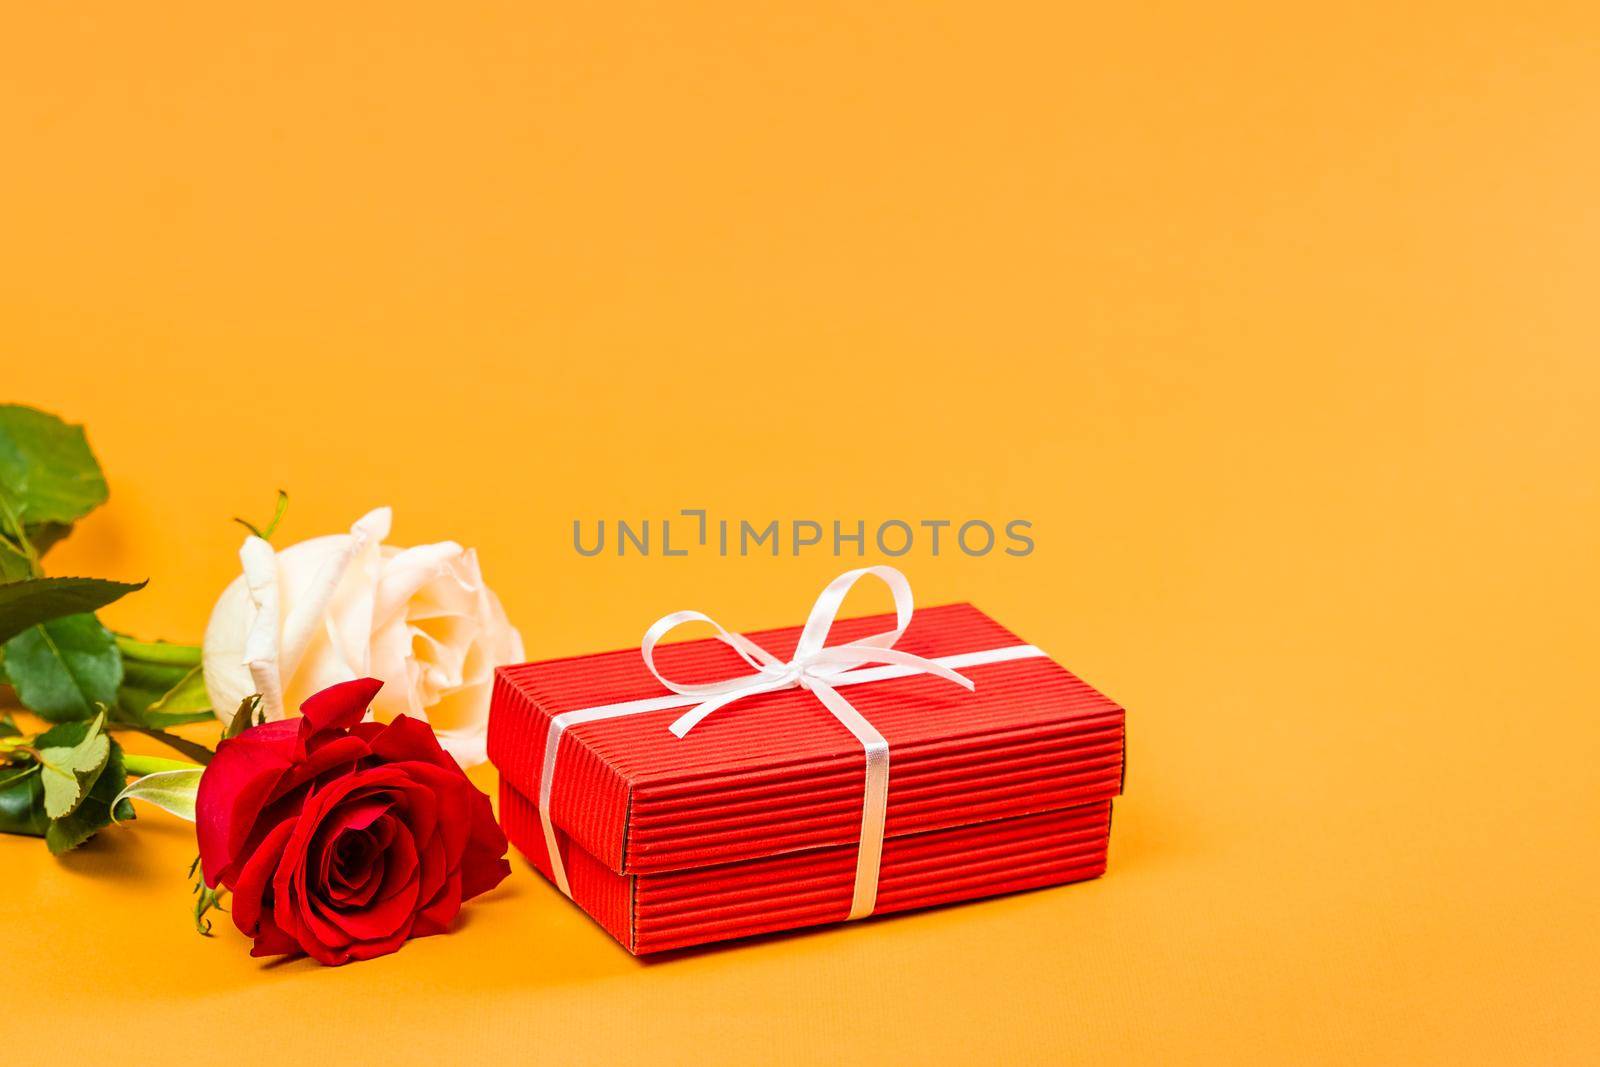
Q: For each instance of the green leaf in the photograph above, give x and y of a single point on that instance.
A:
(185, 700)
(68, 771)
(14, 565)
(162, 684)
(22, 801)
(171, 791)
(45, 535)
(46, 468)
(64, 667)
(66, 735)
(144, 683)
(160, 687)
(8, 727)
(35, 600)
(96, 810)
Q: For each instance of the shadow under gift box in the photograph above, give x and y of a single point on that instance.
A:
(750, 823)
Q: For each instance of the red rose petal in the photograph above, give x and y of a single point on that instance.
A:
(321, 927)
(338, 706)
(239, 781)
(271, 941)
(366, 950)
(405, 738)
(450, 790)
(334, 756)
(345, 824)
(423, 811)
(436, 917)
(356, 870)
(395, 902)
(251, 890)
(342, 838)
(434, 867)
(483, 861)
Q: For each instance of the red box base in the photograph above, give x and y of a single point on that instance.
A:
(660, 911)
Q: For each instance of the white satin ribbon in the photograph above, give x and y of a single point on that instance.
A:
(817, 667)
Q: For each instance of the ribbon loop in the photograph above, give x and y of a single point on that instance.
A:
(748, 650)
(826, 610)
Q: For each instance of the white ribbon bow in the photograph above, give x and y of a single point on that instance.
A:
(817, 667)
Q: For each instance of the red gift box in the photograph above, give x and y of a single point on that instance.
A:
(753, 822)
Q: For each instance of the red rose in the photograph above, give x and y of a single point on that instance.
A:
(341, 838)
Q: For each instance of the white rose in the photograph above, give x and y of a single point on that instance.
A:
(348, 606)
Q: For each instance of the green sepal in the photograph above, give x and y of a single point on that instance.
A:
(277, 517)
(248, 715)
(205, 899)
(172, 791)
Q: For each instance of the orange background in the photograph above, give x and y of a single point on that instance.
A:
(1281, 326)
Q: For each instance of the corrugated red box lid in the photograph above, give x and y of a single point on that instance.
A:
(776, 773)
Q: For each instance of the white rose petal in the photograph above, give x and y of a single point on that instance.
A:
(348, 606)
